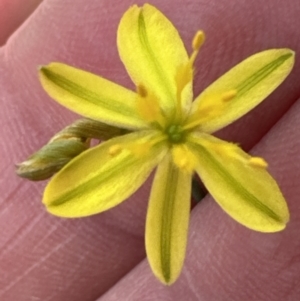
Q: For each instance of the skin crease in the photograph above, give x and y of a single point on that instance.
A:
(43, 257)
(12, 14)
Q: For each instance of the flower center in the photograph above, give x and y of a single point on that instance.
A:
(175, 133)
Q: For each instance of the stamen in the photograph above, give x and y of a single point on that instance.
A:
(214, 107)
(198, 40)
(148, 106)
(258, 162)
(202, 115)
(229, 95)
(115, 150)
(228, 151)
(185, 72)
(183, 158)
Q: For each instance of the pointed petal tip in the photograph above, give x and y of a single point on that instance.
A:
(42, 68)
(255, 198)
(273, 226)
(288, 54)
(166, 280)
(134, 6)
(290, 51)
(167, 221)
(254, 79)
(57, 211)
(271, 229)
(158, 52)
(45, 199)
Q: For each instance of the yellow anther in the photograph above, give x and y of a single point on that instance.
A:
(258, 162)
(182, 163)
(114, 149)
(183, 158)
(148, 106)
(142, 91)
(198, 40)
(185, 72)
(229, 95)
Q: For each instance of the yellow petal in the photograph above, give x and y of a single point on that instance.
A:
(90, 95)
(167, 221)
(252, 81)
(240, 184)
(102, 177)
(152, 52)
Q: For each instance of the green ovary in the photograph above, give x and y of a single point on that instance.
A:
(175, 133)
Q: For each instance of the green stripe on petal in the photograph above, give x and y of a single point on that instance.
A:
(246, 191)
(152, 52)
(167, 221)
(97, 180)
(91, 96)
(253, 80)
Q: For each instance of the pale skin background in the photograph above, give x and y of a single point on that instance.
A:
(102, 257)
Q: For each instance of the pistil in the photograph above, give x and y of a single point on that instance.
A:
(175, 134)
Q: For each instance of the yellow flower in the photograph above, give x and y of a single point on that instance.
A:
(170, 132)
